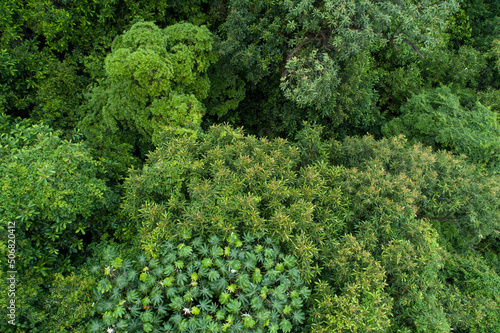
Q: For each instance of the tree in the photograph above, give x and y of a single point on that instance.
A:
(200, 284)
(370, 222)
(453, 193)
(358, 300)
(472, 293)
(437, 118)
(411, 208)
(156, 78)
(51, 189)
(59, 95)
(53, 303)
(54, 200)
(483, 17)
(42, 37)
(256, 185)
(22, 62)
(317, 47)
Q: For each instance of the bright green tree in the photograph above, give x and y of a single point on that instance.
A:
(156, 78)
(45, 44)
(229, 183)
(370, 222)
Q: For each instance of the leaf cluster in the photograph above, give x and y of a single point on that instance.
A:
(202, 285)
(155, 78)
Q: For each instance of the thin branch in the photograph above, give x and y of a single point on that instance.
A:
(391, 39)
(321, 37)
(437, 218)
(435, 3)
(413, 47)
(395, 46)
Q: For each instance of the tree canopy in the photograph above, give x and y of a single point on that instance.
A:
(155, 78)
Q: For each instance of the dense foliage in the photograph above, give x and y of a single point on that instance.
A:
(438, 119)
(362, 214)
(257, 165)
(51, 190)
(155, 78)
(202, 285)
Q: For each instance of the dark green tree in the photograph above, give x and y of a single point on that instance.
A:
(322, 51)
(51, 188)
(472, 293)
(53, 203)
(411, 208)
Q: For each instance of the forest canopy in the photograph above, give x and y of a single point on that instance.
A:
(250, 166)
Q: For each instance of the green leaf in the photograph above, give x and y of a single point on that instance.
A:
(104, 286)
(144, 277)
(147, 316)
(168, 281)
(147, 327)
(221, 314)
(206, 262)
(119, 311)
(231, 288)
(273, 328)
(184, 250)
(217, 251)
(256, 276)
(176, 303)
(258, 248)
(213, 275)
(117, 263)
(132, 296)
(179, 264)
(298, 317)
